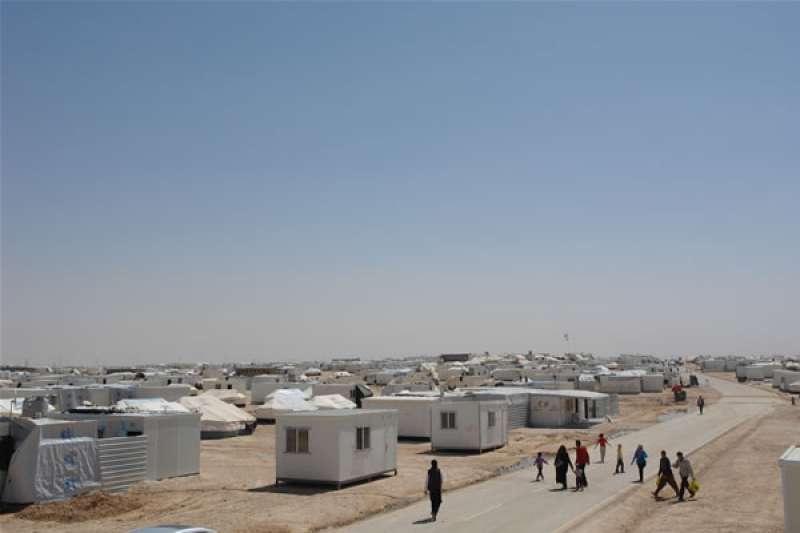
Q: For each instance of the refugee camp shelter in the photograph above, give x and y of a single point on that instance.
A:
(219, 419)
(336, 446)
(173, 438)
(622, 383)
(414, 413)
(559, 408)
(50, 459)
(352, 391)
(231, 396)
(283, 401)
(469, 424)
(171, 393)
(653, 383)
(782, 378)
(263, 386)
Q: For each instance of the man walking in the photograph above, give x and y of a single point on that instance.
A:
(602, 441)
(433, 487)
(581, 462)
(701, 403)
(665, 476)
(685, 471)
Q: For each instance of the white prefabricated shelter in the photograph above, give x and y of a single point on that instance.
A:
(567, 408)
(619, 384)
(51, 460)
(653, 383)
(516, 397)
(507, 374)
(352, 391)
(469, 424)
(171, 393)
(782, 378)
(713, 365)
(790, 477)
(335, 446)
(219, 419)
(752, 372)
(173, 439)
(25, 393)
(395, 388)
(414, 413)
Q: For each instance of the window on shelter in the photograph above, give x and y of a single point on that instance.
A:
(362, 438)
(492, 419)
(448, 420)
(296, 440)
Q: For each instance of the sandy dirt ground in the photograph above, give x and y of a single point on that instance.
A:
(235, 491)
(740, 486)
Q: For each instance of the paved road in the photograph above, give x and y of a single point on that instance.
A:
(514, 502)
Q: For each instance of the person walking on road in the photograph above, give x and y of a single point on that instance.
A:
(602, 441)
(433, 487)
(640, 458)
(620, 463)
(581, 462)
(562, 463)
(685, 471)
(701, 403)
(665, 476)
(540, 461)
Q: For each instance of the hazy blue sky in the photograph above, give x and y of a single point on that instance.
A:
(220, 181)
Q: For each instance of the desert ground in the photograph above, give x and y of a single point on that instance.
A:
(235, 491)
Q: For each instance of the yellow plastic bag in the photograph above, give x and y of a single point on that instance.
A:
(658, 480)
(694, 486)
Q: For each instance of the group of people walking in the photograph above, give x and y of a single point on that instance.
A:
(563, 464)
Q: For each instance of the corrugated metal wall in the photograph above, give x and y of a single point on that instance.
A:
(123, 462)
(518, 413)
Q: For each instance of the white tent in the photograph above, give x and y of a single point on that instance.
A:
(284, 401)
(217, 418)
(332, 401)
(149, 405)
(228, 396)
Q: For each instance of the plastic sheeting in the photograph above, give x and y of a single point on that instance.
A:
(149, 405)
(285, 401)
(217, 416)
(52, 469)
(332, 401)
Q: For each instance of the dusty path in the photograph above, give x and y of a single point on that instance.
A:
(740, 486)
(514, 503)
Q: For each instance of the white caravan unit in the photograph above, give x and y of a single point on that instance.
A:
(714, 365)
(414, 413)
(653, 383)
(619, 384)
(567, 408)
(469, 424)
(171, 393)
(395, 388)
(173, 439)
(8, 394)
(335, 446)
(782, 378)
(51, 460)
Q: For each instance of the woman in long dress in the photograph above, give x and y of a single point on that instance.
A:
(562, 463)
